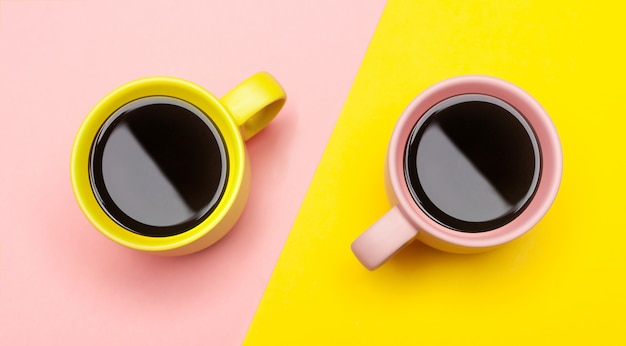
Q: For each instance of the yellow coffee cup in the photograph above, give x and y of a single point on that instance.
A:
(160, 164)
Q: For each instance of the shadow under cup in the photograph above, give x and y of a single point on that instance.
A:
(158, 166)
(472, 163)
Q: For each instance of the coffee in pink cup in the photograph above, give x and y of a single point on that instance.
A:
(473, 162)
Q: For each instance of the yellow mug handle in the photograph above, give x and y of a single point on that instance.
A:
(254, 103)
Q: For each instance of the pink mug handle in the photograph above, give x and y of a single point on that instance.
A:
(383, 239)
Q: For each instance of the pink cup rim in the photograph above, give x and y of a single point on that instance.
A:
(547, 136)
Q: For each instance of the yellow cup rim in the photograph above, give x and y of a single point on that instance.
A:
(156, 86)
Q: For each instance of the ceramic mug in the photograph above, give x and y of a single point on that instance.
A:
(473, 162)
(160, 164)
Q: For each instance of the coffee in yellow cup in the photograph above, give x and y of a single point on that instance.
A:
(160, 164)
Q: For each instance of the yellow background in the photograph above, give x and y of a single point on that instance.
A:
(564, 282)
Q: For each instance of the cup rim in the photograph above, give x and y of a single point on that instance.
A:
(145, 87)
(536, 116)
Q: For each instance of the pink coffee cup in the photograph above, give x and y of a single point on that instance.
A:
(473, 162)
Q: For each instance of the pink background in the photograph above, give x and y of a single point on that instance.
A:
(62, 282)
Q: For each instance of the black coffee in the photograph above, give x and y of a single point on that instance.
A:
(472, 163)
(158, 166)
